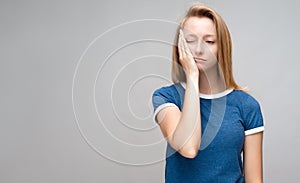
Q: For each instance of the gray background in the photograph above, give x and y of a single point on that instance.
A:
(49, 135)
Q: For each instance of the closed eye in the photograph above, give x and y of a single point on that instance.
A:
(190, 41)
(210, 42)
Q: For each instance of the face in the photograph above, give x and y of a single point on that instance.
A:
(201, 37)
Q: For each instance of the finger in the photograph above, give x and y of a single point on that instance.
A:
(180, 47)
(186, 47)
(182, 39)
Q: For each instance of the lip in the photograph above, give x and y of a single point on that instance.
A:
(197, 59)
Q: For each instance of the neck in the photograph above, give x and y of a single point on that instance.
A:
(210, 82)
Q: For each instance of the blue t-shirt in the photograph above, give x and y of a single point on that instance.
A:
(226, 118)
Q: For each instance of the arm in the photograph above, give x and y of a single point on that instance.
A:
(182, 129)
(253, 166)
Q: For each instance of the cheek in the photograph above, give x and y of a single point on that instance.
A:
(207, 49)
(192, 46)
(214, 50)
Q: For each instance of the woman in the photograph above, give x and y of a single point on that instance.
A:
(219, 140)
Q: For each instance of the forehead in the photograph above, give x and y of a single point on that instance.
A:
(200, 26)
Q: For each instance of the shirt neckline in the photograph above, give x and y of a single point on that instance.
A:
(211, 96)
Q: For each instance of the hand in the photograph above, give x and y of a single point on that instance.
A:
(186, 58)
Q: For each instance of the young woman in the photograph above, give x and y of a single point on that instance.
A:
(214, 129)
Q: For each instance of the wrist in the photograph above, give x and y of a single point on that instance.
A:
(192, 80)
(194, 77)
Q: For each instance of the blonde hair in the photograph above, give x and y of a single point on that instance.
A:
(224, 54)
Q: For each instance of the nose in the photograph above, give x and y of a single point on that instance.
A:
(199, 47)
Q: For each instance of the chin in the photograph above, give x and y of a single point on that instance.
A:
(201, 69)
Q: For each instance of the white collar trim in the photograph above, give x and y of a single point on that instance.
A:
(211, 96)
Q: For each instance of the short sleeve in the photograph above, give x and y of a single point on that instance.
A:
(252, 116)
(161, 98)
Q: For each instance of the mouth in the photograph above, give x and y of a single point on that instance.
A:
(197, 59)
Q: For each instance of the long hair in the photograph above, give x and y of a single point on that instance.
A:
(224, 54)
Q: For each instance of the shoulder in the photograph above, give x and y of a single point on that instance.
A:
(165, 96)
(251, 115)
(168, 90)
(248, 104)
(244, 98)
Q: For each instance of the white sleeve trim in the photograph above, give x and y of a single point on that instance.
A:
(254, 130)
(160, 108)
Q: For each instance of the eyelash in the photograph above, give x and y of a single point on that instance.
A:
(209, 42)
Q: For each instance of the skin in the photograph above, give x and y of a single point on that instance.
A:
(201, 39)
(182, 129)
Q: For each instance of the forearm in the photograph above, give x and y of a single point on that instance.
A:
(187, 135)
(253, 158)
